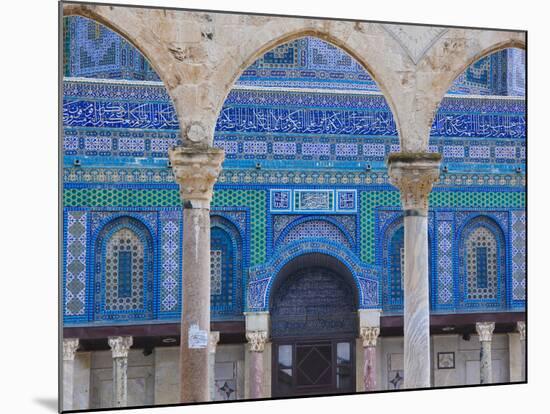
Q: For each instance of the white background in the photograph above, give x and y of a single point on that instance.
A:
(29, 194)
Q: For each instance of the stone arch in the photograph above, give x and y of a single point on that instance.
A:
(473, 223)
(445, 61)
(344, 35)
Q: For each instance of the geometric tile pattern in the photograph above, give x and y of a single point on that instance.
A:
(518, 254)
(170, 261)
(75, 263)
(124, 289)
(445, 262)
(481, 261)
(314, 229)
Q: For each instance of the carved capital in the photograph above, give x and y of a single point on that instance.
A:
(70, 345)
(414, 174)
(485, 331)
(213, 340)
(196, 170)
(369, 335)
(256, 340)
(120, 345)
(521, 329)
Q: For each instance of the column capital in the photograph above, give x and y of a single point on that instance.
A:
(485, 331)
(120, 345)
(70, 345)
(213, 340)
(256, 340)
(196, 169)
(414, 174)
(521, 329)
(369, 335)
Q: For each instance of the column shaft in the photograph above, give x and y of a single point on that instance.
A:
(369, 334)
(214, 339)
(120, 381)
(521, 330)
(120, 346)
(485, 332)
(195, 319)
(196, 170)
(256, 374)
(416, 303)
(70, 346)
(414, 175)
(369, 368)
(256, 342)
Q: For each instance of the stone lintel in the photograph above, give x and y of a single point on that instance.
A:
(414, 173)
(485, 331)
(120, 345)
(196, 169)
(70, 345)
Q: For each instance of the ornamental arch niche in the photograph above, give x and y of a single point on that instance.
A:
(123, 278)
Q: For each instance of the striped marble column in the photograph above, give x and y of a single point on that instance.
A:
(256, 342)
(485, 332)
(196, 171)
(369, 334)
(414, 174)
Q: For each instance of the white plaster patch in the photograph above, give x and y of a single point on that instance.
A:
(197, 338)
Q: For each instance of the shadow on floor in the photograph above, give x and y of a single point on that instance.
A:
(49, 403)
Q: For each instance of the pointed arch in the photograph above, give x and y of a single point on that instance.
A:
(123, 271)
(227, 269)
(481, 257)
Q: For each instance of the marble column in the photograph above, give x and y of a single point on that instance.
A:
(485, 332)
(369, 335)
(414, 174)
(70, 345)
(196, 170)
(521, 329)
(120, 346)
(213, 343)
(256, 341)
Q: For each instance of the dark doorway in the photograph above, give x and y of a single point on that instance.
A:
(313, 325)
